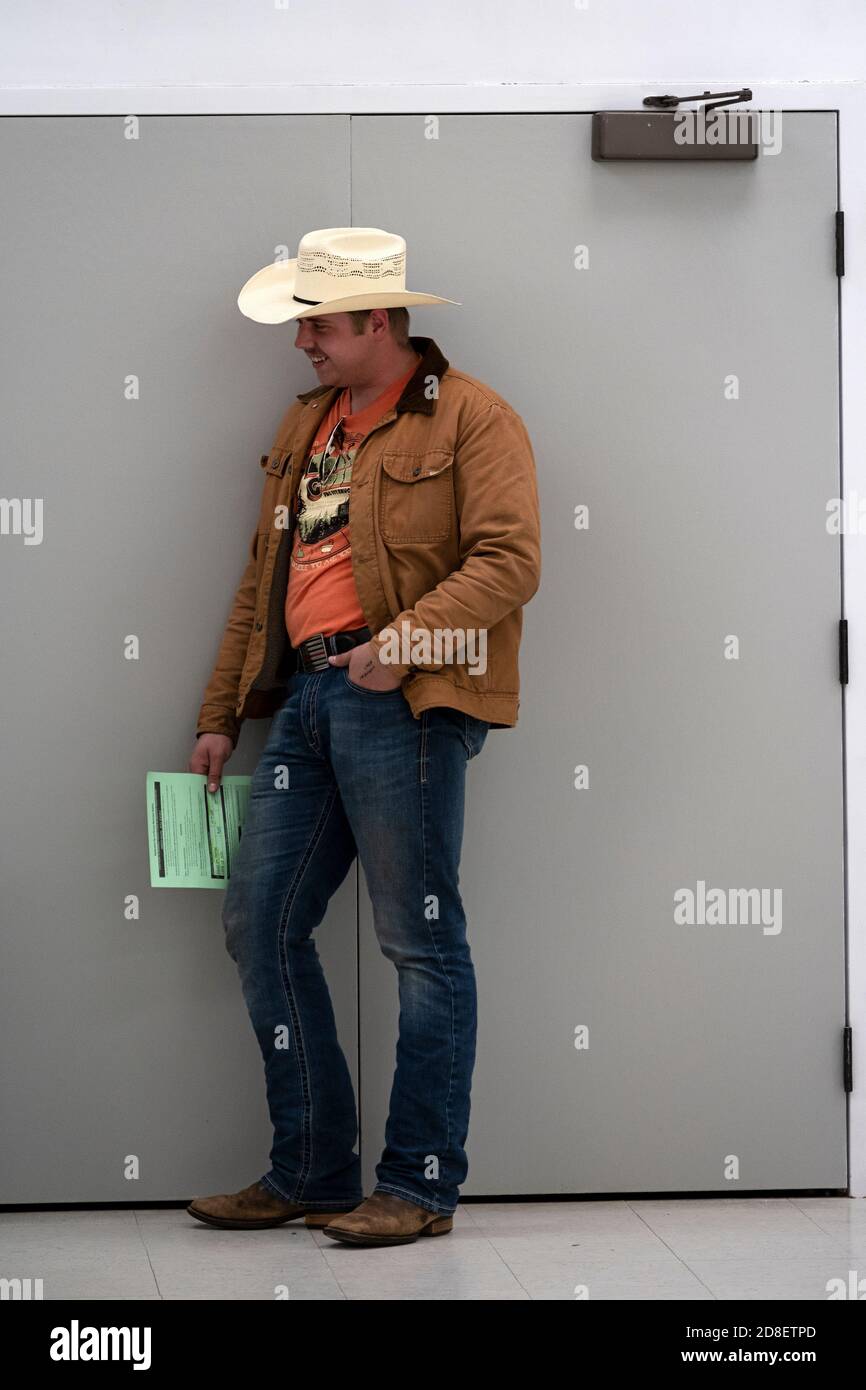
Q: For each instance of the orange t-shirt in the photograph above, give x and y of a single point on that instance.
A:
(321, 595)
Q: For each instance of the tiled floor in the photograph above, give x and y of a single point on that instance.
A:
(761, 1248)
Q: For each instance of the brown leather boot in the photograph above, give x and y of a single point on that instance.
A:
(383, 1219)
(255, 1208)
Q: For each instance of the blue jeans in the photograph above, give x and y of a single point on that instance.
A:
(347, 771)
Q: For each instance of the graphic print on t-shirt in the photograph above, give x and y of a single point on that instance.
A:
(321, 595)
(323, 494)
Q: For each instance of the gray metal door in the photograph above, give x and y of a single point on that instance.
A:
(681, 720)
(128, 1036)
(128, 1039)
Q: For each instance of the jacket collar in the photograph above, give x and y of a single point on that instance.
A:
(414, 395)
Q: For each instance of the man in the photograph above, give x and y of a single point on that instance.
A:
(385, 649)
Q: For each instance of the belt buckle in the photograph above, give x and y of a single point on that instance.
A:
(318, 657)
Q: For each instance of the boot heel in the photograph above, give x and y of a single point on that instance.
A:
(439, 1227)
(317, 1219)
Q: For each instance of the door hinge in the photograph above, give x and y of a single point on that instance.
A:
(847, 1063)
(840, 243)
(843, 650)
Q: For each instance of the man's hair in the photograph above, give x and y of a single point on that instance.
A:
(398, 319)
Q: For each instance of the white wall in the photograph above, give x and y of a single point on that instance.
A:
(239, 43)
(499, 55)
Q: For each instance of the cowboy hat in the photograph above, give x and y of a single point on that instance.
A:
(336, 269)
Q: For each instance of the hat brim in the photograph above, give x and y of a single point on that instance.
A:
(267, 297)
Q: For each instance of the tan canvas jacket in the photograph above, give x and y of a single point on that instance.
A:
(445, 534)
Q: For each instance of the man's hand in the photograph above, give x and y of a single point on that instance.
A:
(208, 756)
(365, 668)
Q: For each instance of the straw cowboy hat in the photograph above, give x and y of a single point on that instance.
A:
(336, 269)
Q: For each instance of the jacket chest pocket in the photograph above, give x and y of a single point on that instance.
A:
(417, 498)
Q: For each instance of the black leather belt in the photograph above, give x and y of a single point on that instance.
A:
(313, 653)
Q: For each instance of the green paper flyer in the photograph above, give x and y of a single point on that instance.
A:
(193, 834)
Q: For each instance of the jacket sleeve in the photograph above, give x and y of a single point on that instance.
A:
(217, 714)
(499, 523)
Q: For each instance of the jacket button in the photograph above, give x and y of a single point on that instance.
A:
(258, 627)
(416, 471)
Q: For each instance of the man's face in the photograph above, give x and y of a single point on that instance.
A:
(345, 352)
